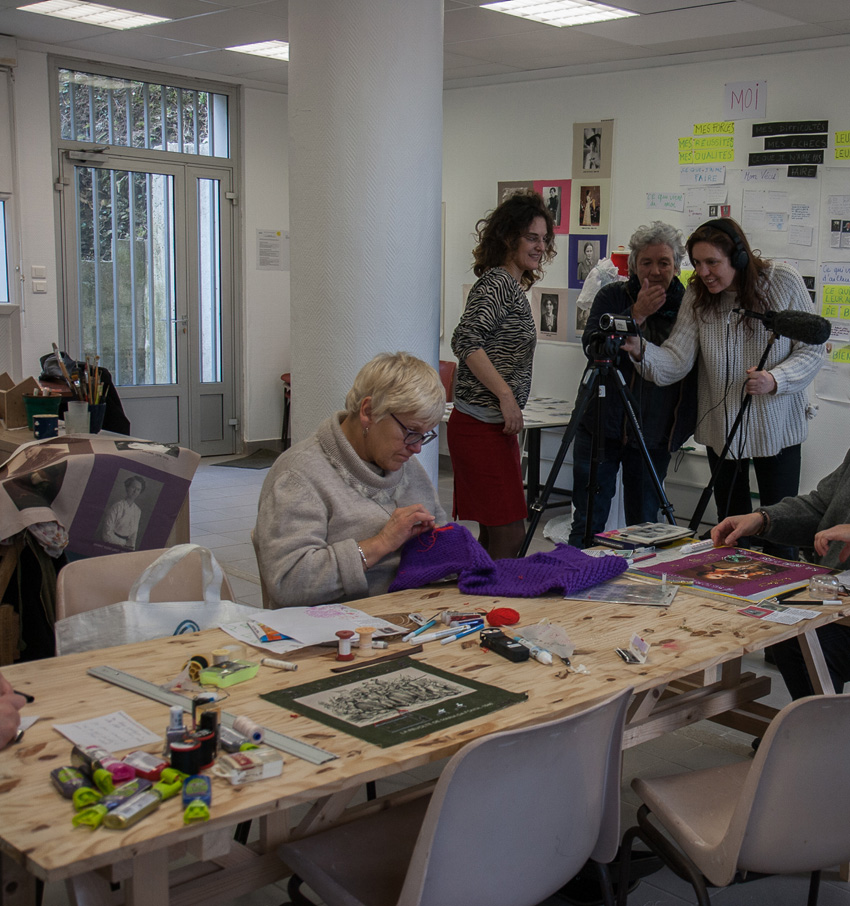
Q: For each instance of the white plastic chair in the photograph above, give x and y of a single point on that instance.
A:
(97, 581)
(513, 817)
(783, 812)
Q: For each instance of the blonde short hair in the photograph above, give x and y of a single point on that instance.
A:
(398, 382)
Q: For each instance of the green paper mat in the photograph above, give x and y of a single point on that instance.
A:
(389, 703)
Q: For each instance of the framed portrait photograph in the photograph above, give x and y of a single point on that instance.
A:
(556, 197)
(585, 251)
(592, 147)
(551, 312)
(506, 189)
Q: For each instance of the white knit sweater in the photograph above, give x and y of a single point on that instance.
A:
(317, 501)
(725, 347)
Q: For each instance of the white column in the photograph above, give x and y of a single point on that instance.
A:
(365, 175)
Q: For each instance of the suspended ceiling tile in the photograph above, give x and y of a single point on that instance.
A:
(730, 19)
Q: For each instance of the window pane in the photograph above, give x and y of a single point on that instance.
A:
(125, 229)
(209, 278)
(136, 114)
(4, 256)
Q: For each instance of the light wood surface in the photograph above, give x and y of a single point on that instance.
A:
(695, 635)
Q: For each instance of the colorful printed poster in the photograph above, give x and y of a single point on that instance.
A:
(739, 572)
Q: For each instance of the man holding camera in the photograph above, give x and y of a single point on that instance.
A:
(667, 415)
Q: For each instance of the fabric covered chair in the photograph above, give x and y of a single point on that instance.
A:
(447, 376)
(512, 818)
(97, 581)
(783, 812)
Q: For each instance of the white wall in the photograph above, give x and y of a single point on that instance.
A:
(264, 205)
(523, 131)
(37, 208)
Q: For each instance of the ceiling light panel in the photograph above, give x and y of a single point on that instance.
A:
(275, 50)
(562, 13)
(92, 14)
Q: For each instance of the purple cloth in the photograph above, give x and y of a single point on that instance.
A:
(562, 570)
(444, 551)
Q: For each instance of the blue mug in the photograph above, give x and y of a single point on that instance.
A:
(44, 426)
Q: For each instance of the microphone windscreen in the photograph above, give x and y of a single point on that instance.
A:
(801, 326)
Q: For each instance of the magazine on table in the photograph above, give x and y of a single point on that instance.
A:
(736, 571)
(642, 534)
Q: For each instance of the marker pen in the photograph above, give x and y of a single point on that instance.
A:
(419, 630)
(460, 634)
(433, 636)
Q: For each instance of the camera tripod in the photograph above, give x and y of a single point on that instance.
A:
(592, 385)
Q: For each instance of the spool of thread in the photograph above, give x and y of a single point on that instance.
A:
(207, 740)
(276, 662)
(345, 653)
(186, 756)
(365, 637)
(220, 655)
(248, 728)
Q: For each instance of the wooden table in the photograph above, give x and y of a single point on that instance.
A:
(694, 636)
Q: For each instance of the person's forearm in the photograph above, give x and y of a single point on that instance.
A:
(480, 365)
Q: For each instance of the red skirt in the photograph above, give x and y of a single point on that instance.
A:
(487, 471)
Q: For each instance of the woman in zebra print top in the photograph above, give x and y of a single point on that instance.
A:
(494, 343)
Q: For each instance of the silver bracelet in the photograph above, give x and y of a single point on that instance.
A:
(362, 557)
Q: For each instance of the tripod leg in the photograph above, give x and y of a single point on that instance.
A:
(597, 443)
(625, 395)
(586, 392)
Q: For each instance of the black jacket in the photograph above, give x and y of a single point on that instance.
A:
(667, 415)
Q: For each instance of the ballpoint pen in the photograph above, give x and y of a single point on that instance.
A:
(459, 635)
(419, 629)
(433, 636)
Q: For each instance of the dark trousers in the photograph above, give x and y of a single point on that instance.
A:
(777, 477)
(639, 498)
(835, 642)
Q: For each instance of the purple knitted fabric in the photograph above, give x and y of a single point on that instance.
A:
(563, 570)
(433, 555)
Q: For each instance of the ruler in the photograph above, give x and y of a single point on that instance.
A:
(272, 738)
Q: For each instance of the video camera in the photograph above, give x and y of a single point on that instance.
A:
(605, 341)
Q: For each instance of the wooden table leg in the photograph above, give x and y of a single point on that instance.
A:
(149, 883)
(816, 663)
(17, 885)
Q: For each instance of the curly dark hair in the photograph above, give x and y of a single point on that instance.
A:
(749, 283)
(500, 231)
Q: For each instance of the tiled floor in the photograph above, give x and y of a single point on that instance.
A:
(223, 509)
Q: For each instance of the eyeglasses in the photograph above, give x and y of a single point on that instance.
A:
(412, 438)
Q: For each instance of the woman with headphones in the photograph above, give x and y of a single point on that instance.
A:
(728, 347)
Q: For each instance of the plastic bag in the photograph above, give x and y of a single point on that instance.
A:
(603, 273)
(139, 620)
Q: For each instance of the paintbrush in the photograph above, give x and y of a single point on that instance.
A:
(64, 370)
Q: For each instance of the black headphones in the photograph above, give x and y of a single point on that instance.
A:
(739, 258)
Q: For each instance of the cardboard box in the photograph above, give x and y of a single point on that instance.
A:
(12, 408)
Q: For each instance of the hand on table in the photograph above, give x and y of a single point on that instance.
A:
(727, 533)
(10, 706)
(827, 536)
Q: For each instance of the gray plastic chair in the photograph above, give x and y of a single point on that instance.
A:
(783, 812)
(513, 817)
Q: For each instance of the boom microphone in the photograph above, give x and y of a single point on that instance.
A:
(795, 325)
